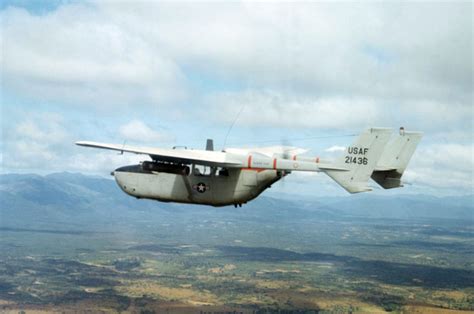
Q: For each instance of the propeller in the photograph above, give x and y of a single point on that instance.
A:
(123, 147)
(285, 155)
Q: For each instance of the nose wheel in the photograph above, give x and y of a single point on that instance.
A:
(238, 205)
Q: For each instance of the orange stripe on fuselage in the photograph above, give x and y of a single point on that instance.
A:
(249, 162)
(253, 169)
(274, 163)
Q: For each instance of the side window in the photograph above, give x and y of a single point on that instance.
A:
(222, 172)
(200, 170)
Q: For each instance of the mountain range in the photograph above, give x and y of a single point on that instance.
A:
(66, 196)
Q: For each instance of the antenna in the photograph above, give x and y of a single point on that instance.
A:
(232, 125)
(123, 147)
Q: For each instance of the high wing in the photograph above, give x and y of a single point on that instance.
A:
(184, 156)
(271, 151)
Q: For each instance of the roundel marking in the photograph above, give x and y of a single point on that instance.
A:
(201, 187)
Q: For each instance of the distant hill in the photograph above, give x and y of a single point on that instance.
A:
(405, 206)
(66, 196)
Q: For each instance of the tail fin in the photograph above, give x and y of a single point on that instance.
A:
(395, 158)
(360, 160)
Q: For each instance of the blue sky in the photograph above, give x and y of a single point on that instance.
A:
(168, 74)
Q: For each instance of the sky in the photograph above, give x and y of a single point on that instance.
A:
(307, 74)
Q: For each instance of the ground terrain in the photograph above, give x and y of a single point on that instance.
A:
(75, 243)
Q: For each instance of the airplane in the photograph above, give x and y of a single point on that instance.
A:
(235, 176)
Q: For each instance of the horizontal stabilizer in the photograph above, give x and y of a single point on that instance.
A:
(325, 167)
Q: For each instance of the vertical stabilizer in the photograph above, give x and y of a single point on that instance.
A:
(395, 159)
(360, 160)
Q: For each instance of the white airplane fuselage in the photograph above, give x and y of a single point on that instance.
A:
(236, 187)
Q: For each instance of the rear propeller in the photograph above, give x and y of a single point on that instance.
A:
(285, 155)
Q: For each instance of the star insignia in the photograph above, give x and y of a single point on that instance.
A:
(201, 187)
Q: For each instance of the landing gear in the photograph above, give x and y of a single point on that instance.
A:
(239, 205)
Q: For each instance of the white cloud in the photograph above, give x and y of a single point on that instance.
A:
(335, 149)
(42, 142)
(272, 108)
(37, 142)
(123, 53)
(73, 55)
(46, 130)
(137, 130)
(443, 166)
(385, 51)
(102, 162)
